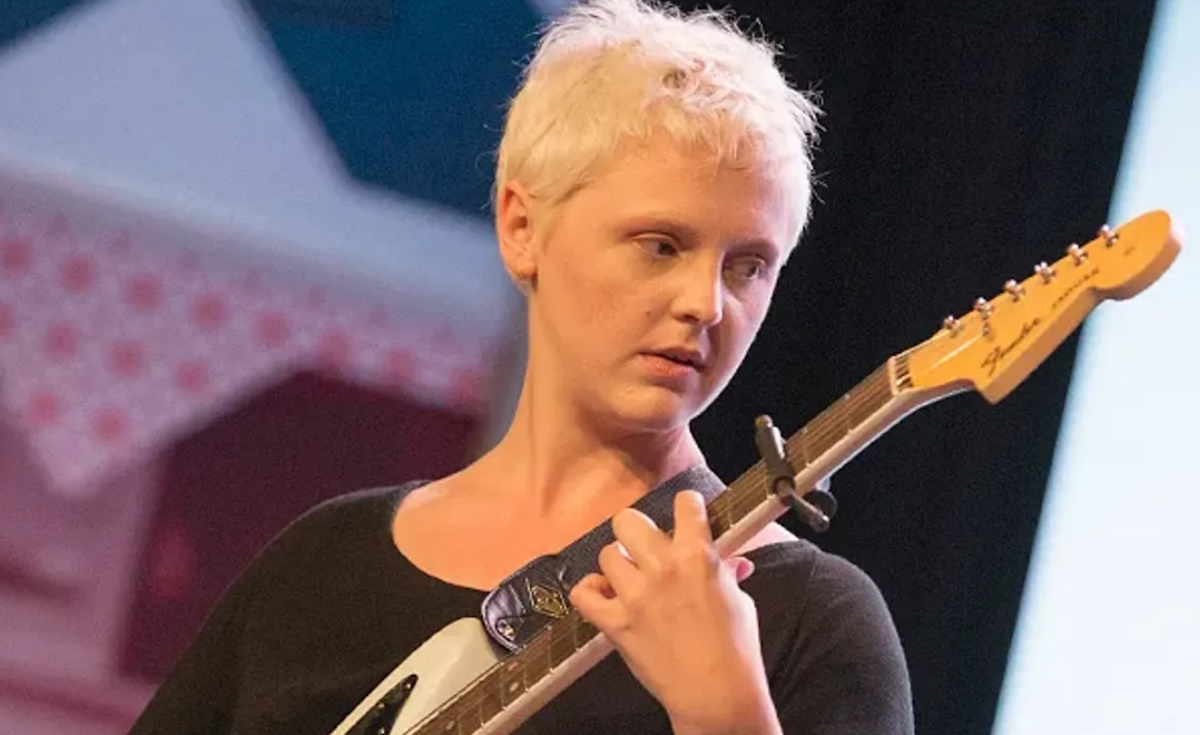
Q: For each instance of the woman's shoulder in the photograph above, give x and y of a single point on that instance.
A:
(800, 585)
(829, 640)
(356, 516)
(789, 566)
(356, 504)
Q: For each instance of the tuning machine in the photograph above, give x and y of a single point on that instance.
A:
(1109, 234)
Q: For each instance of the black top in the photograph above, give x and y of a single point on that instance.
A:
(330, 607)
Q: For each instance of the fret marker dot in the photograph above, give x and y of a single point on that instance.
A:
(514, 687)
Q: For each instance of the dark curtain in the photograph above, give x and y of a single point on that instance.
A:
(963, 143)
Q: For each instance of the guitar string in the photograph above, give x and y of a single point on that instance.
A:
(741, 502)
(471, 699)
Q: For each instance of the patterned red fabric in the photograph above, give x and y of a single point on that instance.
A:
(111, 348)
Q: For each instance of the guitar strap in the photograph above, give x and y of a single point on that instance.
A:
(536, 594)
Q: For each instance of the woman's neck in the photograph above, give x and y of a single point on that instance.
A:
(552, 461)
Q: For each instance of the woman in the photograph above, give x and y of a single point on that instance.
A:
(653, 177)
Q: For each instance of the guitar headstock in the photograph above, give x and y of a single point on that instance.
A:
(1001, 341)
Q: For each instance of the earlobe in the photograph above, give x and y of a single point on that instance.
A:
(515, 233)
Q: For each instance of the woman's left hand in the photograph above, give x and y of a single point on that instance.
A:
(675, 613)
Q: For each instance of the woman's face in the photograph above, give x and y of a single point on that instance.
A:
(651, 283)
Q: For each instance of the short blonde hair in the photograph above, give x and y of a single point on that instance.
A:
(608, 75)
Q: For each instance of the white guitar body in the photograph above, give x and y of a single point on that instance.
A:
(447, 664)
(444, 665)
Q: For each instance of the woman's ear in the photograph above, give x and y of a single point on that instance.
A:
(515, 234)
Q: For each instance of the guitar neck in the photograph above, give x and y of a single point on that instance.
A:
(508, 694)
(820, 448)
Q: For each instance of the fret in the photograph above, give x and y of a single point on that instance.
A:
(736, 502)
(727, 516)
(466, 710)
(903, 374)
(510, 680)
(501, 686)
(862, 409)
(490, 702)
(582, 630)
(803, 448)
(562, 641)
(535, 659)
(751, 496)
(794, 450)
(719, 518)
(840, 419)
(734, 513)
(442, 723)
(801, 440)
(715, 524)
(822, 438)
(742, 496)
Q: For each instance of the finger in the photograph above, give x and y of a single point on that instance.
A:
(622, 576)
(691, 519)
(740, 567)
(596, 601)
(644, 541)
(595, 583)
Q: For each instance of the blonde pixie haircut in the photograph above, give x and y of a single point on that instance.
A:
(611, 76)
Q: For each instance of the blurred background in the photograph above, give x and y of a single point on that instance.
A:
(246, 264)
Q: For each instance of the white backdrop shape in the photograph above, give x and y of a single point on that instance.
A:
(182, 107)
(1109, 635)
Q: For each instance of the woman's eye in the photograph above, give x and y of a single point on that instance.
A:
(748, 270)
(660, 248)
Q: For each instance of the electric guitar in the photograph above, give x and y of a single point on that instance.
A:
(457, 682)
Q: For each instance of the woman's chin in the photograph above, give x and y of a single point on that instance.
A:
(655, 413)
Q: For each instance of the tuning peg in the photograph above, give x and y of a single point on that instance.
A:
(1109, 234)
(1014, 289)
(1076, 253)
(1046, 272)
(985, 310)
(952, 325)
